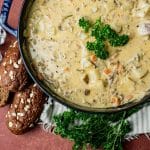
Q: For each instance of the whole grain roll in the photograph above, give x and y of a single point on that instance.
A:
(13, 74)
(25, 109)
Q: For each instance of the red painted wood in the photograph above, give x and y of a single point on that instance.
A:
(13, 17)
(15, 13)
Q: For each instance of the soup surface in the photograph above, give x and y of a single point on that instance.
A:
(57, 46)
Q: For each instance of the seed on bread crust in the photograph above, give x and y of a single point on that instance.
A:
(25, 109)
(4, 94)
(12, 71)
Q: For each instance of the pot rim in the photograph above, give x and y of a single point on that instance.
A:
(50, 92)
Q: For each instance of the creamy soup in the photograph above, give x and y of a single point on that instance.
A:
(57, 46)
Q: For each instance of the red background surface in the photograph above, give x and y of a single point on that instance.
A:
(37, 139)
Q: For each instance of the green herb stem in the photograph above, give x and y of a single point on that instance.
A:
(98, 130)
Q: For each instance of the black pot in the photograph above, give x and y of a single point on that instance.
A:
(31, 70)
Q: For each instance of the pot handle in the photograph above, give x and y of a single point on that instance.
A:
(4, 16)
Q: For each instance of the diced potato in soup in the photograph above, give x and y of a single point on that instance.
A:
(57, 46)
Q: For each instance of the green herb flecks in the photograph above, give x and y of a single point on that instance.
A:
(119, 40)
(84, 24)
(97, 30)
(102, 33)
(92, 46)
(99, 48)
(97, 130)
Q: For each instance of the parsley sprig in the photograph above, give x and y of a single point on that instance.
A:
(102, 32)
(85, 24)
(98, 130)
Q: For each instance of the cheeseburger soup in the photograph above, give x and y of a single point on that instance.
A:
(57, 45)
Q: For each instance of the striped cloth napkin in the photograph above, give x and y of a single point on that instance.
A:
(140, 120)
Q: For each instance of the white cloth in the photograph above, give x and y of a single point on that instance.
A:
(139, 120)
(2, 36)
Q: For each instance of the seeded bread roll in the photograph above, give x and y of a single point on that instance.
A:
(4, 94)
(25, 109)
(13, 75)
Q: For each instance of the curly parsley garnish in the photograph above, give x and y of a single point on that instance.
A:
(98, 130)
(102, 32)
(84, 24)
(99, 48)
